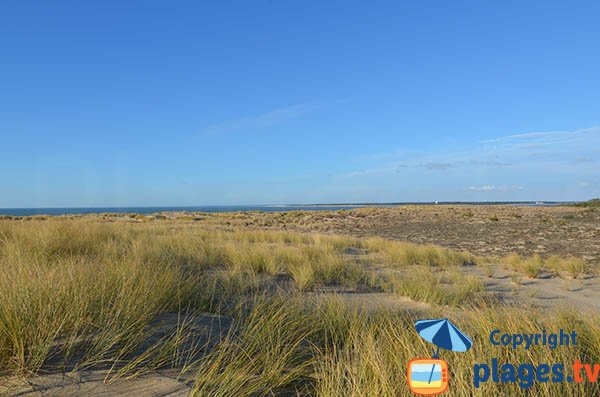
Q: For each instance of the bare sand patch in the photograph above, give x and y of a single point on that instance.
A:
(93, 383)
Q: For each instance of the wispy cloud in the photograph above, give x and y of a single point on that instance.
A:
(269, 118)
(583, 159)
(437, 166)
(516, 150)
(489, 163)
(517, 166)
(493, 188)
(263, 120)
(366, 173)
(542, 137)
(525, 136)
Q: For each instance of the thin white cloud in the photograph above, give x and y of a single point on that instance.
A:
(513, 167)
(583, 159)
(437, 166)
(269, 118)
(366, 173)
(489, 163)
(263, 120)
(493, 188)
(543, 136)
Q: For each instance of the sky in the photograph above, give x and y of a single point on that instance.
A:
(156, 103)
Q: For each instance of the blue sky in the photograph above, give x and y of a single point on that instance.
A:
(123, 103)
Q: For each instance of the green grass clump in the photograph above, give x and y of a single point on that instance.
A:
(576, 266)
(534, 265)
(441, 288)
(395, 253)
(101, 310)
(531, 266)
(573, 266)
(269, 350)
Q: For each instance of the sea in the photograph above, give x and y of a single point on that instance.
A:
(238, 208)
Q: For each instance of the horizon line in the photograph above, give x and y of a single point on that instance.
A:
(365, 203)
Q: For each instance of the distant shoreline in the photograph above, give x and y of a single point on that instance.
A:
(246, 208)
(393, 204)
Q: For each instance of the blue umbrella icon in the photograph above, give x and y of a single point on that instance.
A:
(444, 334)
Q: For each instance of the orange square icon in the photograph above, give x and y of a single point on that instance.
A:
(427, 376)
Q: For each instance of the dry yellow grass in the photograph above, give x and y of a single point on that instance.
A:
(75, 294)
(534, 265)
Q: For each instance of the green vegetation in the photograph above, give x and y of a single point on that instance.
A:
(534, 265)
(593, 203)
(451, 288)
(79, 294)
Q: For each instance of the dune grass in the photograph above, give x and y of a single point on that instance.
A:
(397, 253)
(534, 265)
(376, 348)
(448, 287)
(77, 294)
(294, 345)
(64, 294)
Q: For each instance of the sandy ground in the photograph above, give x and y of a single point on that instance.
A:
(481, 229)
(92, 383)
(544, 292)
